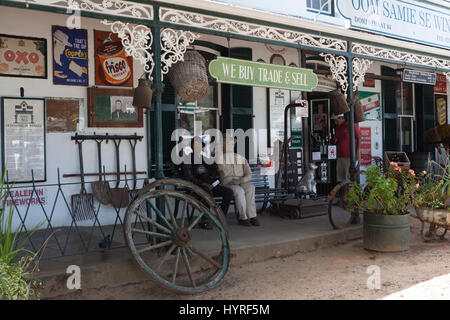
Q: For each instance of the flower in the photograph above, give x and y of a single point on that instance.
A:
(412, 172)
(424, 172)
(398, 169)
(417, 186)
(395, 164)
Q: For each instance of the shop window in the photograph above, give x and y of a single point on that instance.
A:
(320, 6)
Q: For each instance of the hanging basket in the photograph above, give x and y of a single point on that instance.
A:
(189, 77)
(338, 102)
(358, 109)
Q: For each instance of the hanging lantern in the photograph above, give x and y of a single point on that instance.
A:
(338, 102)
(142, 97)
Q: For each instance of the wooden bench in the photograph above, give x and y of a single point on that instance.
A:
(263, 192)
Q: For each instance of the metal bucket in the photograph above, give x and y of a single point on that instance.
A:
(386, 233)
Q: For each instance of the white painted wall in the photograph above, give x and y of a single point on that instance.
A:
(61, 151)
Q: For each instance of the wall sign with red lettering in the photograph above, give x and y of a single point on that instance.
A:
(23, 57)
(366, 146)
(441, 84)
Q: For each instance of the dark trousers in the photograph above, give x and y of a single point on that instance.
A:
(225, 193)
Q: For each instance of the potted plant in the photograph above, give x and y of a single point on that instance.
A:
(385, 202)
(432, 202)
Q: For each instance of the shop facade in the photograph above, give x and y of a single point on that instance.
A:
(397, 112)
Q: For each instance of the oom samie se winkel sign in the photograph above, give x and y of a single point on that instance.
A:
(249, 73)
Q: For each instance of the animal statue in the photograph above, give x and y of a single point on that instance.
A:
(307, 184)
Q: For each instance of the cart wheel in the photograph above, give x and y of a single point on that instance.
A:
(173, 251)
(191, 189)
(337, 206)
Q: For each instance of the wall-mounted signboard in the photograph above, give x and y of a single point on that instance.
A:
(417, 76)
(249, 73)
(408, 20)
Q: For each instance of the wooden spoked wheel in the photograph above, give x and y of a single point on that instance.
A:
(162, 231)
(338, 213)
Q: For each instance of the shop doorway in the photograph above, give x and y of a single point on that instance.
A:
(408, 113)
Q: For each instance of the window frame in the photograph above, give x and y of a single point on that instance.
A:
(318, 11)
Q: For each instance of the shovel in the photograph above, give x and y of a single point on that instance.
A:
(119, 196)
(101, 189)
(83, 203)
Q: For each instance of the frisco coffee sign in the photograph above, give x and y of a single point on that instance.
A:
(407, 20)
(249, 73)
(114, 62)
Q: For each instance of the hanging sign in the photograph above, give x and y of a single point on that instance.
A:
(249, 73)
(399, 19)
(417, 76)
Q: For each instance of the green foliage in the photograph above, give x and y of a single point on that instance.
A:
(16, 281)
(392, 193)
(434, 191)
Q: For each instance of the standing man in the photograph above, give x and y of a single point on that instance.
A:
(342, 139)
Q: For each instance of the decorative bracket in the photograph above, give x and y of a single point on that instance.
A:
(338, 67)
(174, 44)
(137, 41)
(359, 68)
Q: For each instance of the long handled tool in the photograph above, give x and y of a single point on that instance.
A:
(119, 196)
(134, 191)
(82, 203)
(101, 188)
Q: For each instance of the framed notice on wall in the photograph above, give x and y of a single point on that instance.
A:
(23, 139)
(278, 100)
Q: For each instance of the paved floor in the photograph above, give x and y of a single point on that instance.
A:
(276, 237)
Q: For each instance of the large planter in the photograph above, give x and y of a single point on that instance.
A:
(386, 233)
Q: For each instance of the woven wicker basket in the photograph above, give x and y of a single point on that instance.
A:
(189, 77)
(338, 102)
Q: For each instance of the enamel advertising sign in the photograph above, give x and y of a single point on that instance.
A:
(23, 57)
(70, 56)
(112, 66)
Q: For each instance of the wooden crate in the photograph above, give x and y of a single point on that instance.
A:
(397, 156)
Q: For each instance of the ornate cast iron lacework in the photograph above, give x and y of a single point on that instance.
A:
(360, 67)
(248, 29)
(111, 7)
(137, 42)
(174, 44)
(401, 56)
(338, 67)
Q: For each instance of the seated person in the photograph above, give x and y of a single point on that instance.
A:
(206, 176)
(235, 173)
